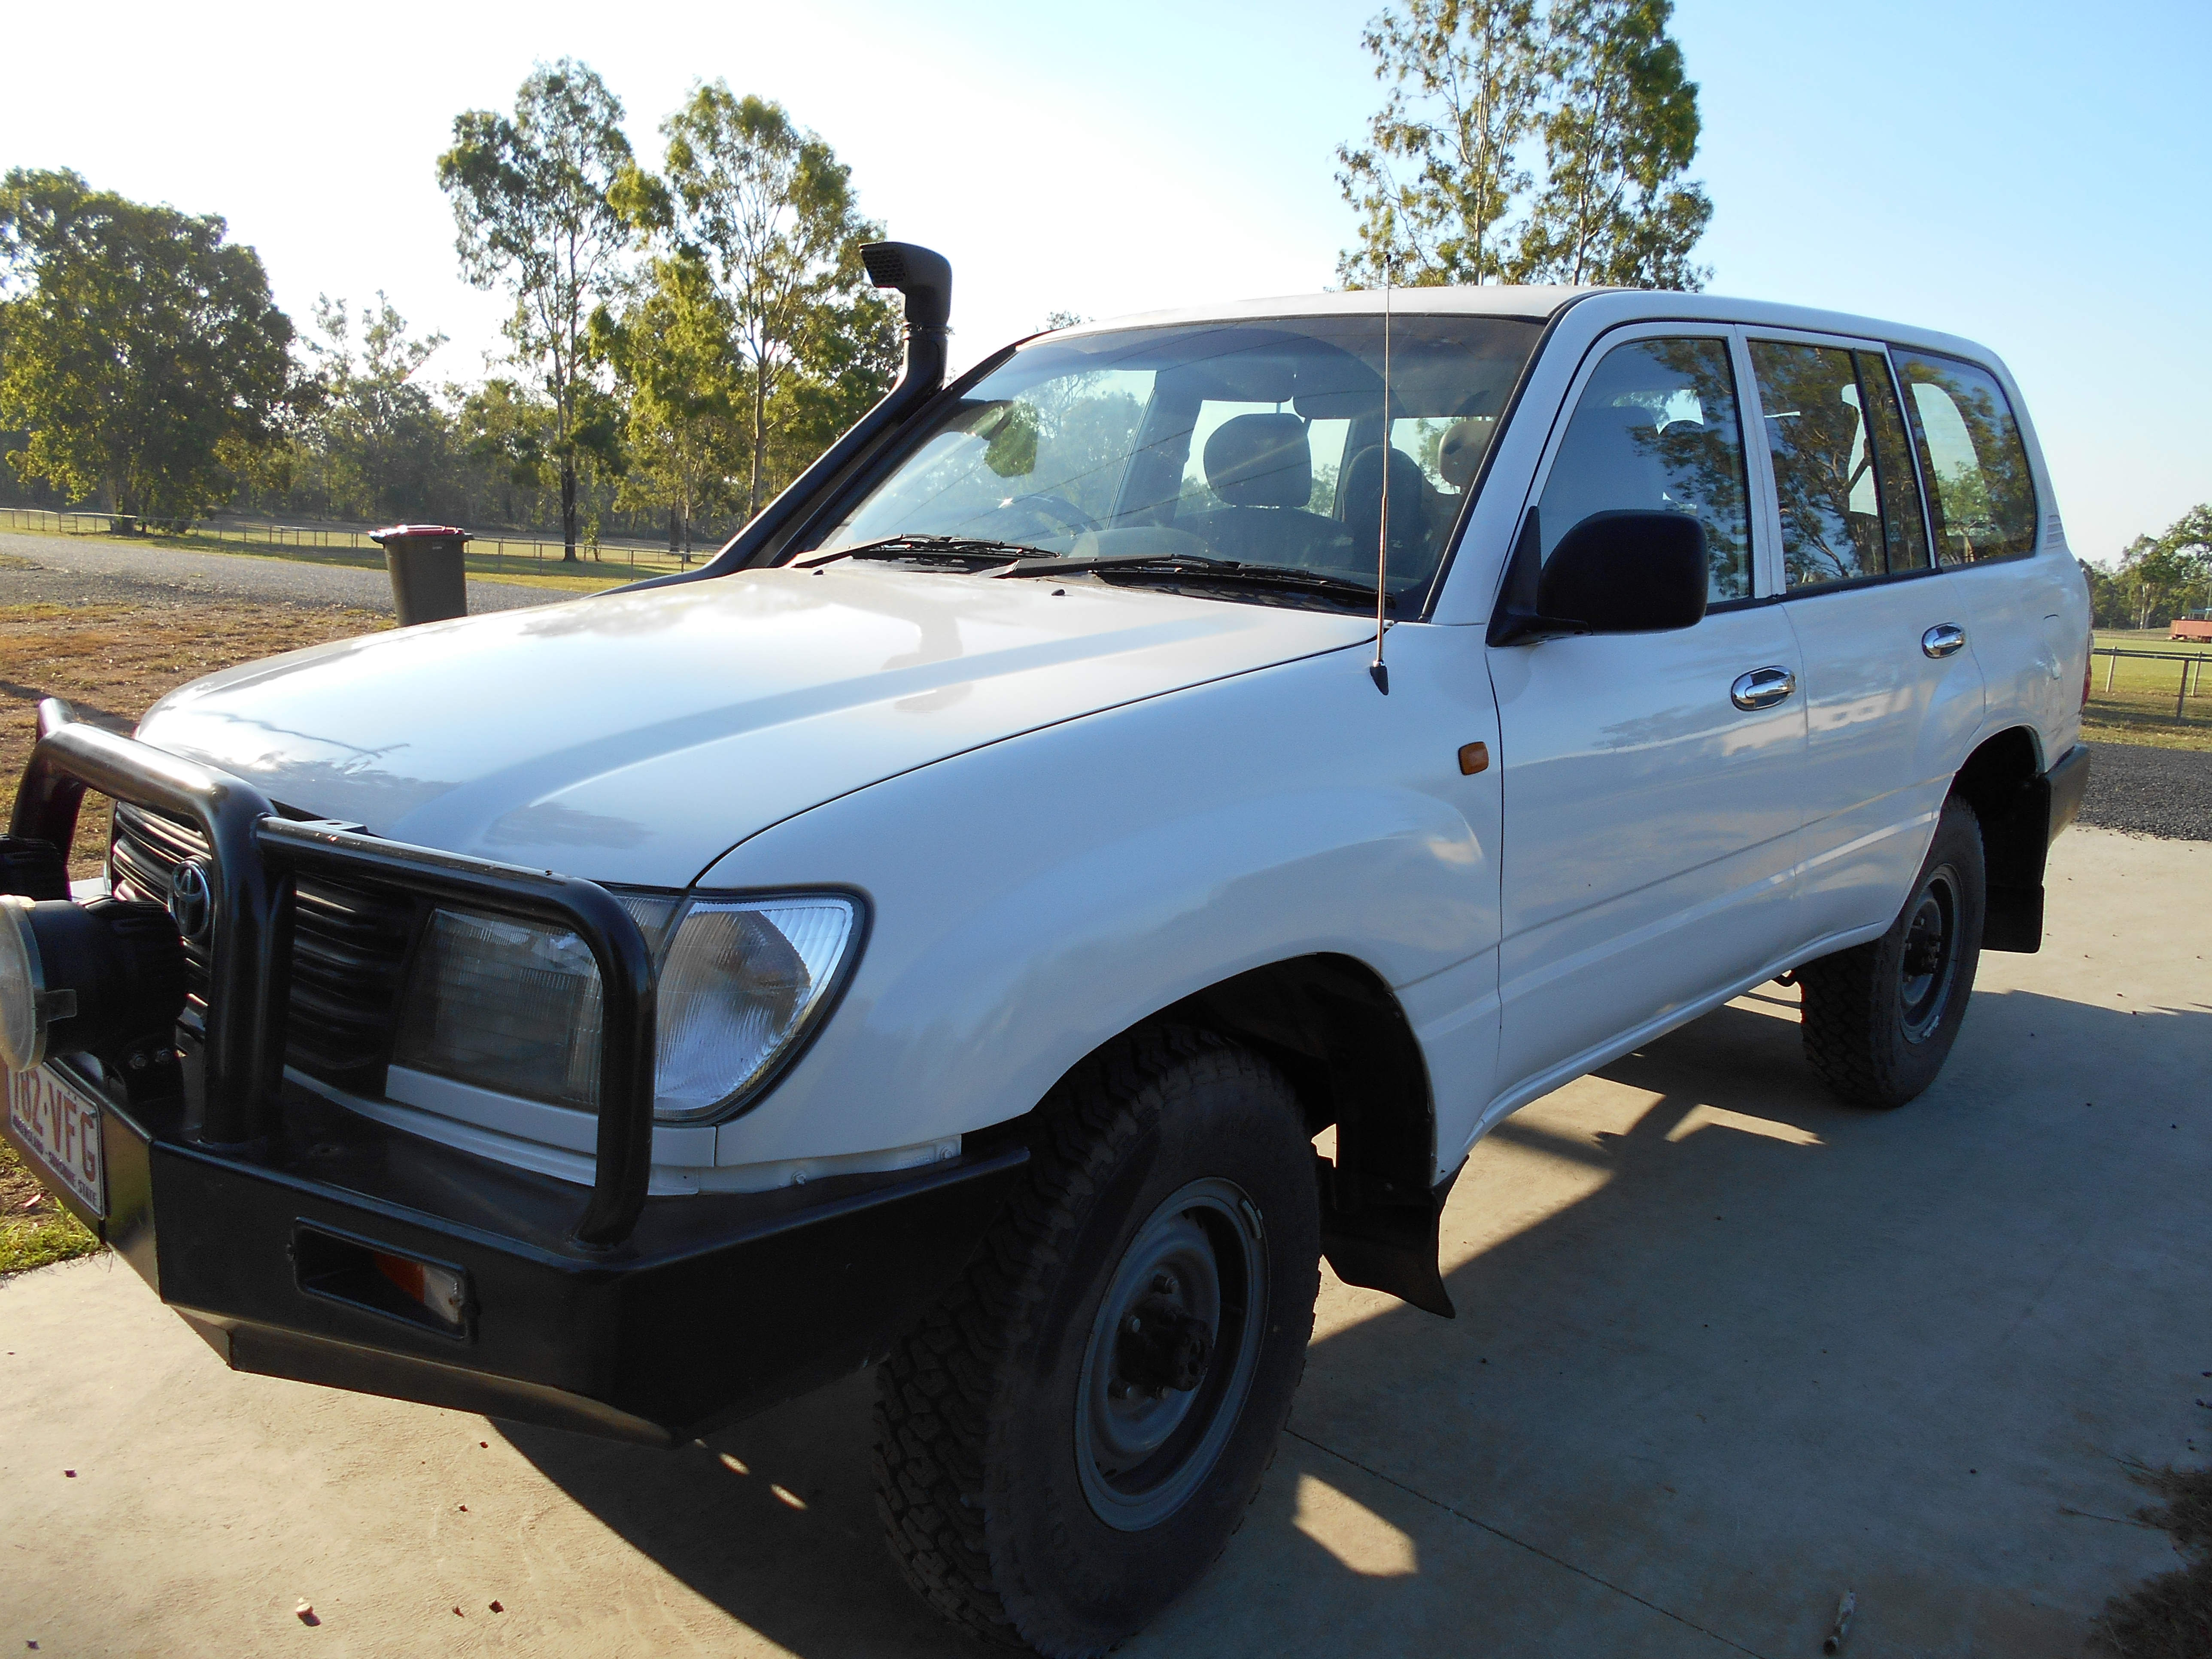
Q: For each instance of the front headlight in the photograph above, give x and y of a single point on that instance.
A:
(514, 1007)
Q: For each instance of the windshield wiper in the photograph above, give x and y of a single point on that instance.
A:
(972, 551)
(1169, 566)
(1056, 564)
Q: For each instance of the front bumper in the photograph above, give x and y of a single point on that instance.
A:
(256, 1208)
(718, 1305)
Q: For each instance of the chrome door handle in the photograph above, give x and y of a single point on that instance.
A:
(1762, 687)
(1944, 639)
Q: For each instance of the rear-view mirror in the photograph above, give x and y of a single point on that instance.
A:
(1627, 572)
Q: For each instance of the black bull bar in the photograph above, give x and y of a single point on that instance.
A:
(254, 855)
(648, 1321)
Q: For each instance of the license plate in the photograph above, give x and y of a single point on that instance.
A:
(60, 1125)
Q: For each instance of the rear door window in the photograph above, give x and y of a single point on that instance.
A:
(1905, 528)
(1657, 429)
(1976, 460)
(1850, 506)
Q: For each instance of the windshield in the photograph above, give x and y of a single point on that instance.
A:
(1261, 443)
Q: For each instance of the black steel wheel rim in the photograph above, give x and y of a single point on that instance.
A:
(1929, 961)
(1185, 1303)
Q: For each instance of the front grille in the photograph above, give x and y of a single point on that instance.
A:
(142, 855)
(349, 952)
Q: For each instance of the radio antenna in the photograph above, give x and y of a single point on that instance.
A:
(1377, 670)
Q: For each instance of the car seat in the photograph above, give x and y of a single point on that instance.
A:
(1413, 546)
(1261, 466)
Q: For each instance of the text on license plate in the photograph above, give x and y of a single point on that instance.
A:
(61, 1127)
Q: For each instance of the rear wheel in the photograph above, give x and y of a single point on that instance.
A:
(1879, 1018)
(1069, 1438)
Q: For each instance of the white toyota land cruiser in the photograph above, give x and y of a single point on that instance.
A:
(934, 933)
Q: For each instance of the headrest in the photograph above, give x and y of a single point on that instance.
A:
(1461, 451)
(1362, 496)
(1260, 460)
(1363, 479)
(1610, 423)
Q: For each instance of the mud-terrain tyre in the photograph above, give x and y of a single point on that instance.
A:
(1879, 1018)
(1068, 1439)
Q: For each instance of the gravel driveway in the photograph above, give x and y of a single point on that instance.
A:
(2150, 792)
(72, 570)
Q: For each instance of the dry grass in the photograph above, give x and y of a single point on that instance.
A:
(2169, 1617)
(113, 661)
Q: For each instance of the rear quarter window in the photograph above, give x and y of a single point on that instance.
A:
(1981, 497)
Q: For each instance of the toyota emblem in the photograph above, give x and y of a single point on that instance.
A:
(191, 899)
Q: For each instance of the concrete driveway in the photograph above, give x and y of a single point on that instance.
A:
(1724, 1351)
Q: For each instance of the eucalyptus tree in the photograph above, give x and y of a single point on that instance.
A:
(844, 358)
(142, 353)
(770, 211)
(674, 354)
(1620, 132)
(1441, 169)
(2168, 574)
(378, 444)
(532, 197)
(1524, 145)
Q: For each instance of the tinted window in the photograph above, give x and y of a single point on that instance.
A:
(1975, 459)
(1904, 530)
(1657, 429)
(1823, 476)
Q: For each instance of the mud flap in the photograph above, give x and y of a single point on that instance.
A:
(1385, 1240)
(2015, 843)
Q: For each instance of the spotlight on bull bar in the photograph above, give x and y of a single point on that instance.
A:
(85, 977)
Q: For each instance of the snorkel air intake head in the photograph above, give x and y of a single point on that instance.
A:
(924, 275)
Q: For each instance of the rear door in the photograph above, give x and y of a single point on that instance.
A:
(1893, 695)
(2026, 624)
(1649, 815)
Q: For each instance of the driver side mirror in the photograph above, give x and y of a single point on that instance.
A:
(1613, 573)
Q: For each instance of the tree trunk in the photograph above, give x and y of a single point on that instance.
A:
(568, 510)
(760, 439)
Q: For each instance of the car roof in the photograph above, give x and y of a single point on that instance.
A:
(1610, 307)
(1491, 300)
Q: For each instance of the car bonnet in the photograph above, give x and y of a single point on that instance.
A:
(636, 737)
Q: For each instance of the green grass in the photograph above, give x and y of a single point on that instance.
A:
(2138, 706)
(47, 1235)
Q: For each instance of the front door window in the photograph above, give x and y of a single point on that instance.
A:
(1656, 430)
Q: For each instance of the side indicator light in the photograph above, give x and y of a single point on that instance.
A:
(429, 1294)
(439, 1290)
(1474, 758)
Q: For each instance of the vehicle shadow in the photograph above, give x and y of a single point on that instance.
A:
(1724, 1348)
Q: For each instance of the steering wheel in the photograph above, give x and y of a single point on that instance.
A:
(1057, 509)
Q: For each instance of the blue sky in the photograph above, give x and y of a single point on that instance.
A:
(2030, 175)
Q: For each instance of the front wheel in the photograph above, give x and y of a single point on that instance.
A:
(1071, 1436)
(1879, 1018)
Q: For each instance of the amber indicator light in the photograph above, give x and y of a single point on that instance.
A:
(1474, 758)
